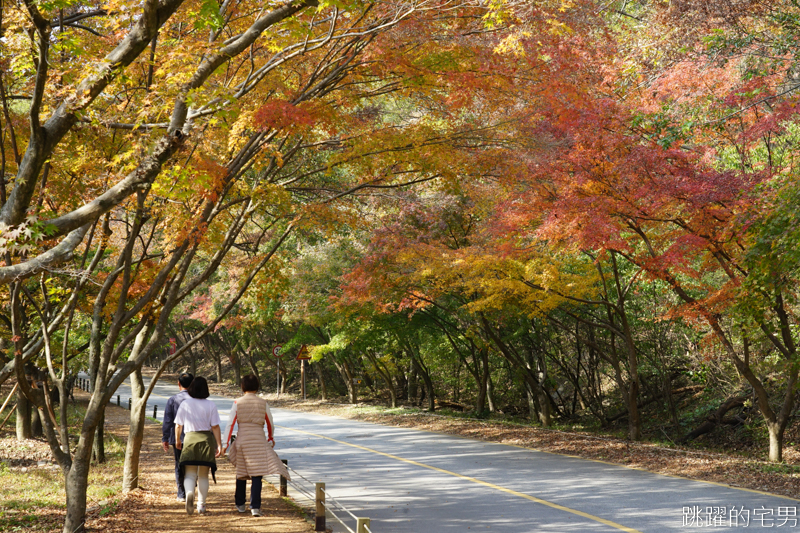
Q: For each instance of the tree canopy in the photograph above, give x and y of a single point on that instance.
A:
(553, 208)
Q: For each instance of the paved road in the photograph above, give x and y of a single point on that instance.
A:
(409, 481)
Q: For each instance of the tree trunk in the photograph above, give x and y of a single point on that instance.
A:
(347, 376)
(192, 362)
(36, 424)
(99, 446)
(632, 397)
(412, 383)
(392, 394)
(252, 362)
(323, 390)
(715, 418)
(776, 431)
(23, 417)
(284, 372)
(533, 403)
(545, 416)
(634, 420)
(426, 378)
(482, 379)
(214, 355)
(383, 371)
(490, 393)
(130, 476)
(237, 369)
(76, 483)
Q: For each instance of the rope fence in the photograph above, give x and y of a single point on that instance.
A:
(324, 503)
(320, 497)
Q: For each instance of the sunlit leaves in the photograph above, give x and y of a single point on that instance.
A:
(23, 237)
(208, 17)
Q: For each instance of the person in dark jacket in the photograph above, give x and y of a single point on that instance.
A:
(168, 429)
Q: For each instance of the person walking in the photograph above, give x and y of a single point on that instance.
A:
(168, 428)
(203, 443)
(252, 451)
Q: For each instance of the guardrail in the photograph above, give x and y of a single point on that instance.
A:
(83, 384)
(322, 503)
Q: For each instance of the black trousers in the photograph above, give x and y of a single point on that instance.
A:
(255, 492)
(178, 472)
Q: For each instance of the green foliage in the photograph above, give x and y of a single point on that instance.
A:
(208, 17)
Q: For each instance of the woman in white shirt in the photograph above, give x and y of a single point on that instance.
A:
(199, 418)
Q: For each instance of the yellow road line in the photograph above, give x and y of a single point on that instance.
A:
(478, 481)
(675, 476)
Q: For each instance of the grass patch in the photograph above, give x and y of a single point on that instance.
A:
(781, 468)
(35, 500)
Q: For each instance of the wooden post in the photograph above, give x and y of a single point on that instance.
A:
(303, 377)
(130, 403)
(361, 525)
(320, 507)
(118, 400)
(284, 492)
(155, 411)
(9, 397)
(11, 412)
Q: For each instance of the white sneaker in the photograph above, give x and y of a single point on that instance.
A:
(189, 502)
(241, 508)
(201, 509)
(256, 512)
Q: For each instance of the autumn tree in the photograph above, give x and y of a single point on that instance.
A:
(184, 142)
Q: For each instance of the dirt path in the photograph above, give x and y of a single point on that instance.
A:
(153, 507)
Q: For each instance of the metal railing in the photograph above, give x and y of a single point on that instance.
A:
(322, 503)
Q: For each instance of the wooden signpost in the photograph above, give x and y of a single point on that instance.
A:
(302, 356)
(276, 351)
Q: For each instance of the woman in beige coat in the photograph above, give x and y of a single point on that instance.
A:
(254, 456)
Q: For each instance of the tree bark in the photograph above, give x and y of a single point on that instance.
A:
(252, 361)
(36, 424)
(715, 418)
(23, 417)
(323, 390)
(412, 382)
(237, 368)
(385, 374)
(533, 403)
(776, 431)
(426, 378)
(99, 446)
(130, 475)
(347, 377)
(76, 483)
(482, 378)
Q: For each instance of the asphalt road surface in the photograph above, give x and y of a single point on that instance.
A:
(410, 481)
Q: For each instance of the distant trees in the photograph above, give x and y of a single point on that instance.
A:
(546, 208)
(623, 239)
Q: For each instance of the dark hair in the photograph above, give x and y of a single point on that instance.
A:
(250, 383)
(199, 388)
(185, 379)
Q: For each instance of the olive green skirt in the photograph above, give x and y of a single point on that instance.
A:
(198, 449)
